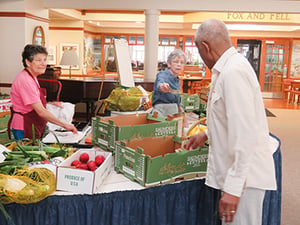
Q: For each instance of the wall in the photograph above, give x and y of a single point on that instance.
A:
(67, 32)
(16, 31)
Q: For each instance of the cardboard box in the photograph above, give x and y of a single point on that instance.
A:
(152, 161)
(82, 181)
(2, 150)
(190, 103)
(107, 130)
(4, 118)
(5, 104)
(51, 165)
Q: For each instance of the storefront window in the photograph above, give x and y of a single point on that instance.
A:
(166, 46)
(132, 39)
(173, 41)
(140, 40)
(106, 39)
(165, 41)
(188, 41)
(295, 61)
(191, 52)
(92, 54)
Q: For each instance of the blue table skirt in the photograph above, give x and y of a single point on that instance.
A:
(185, 203)
(188, 202)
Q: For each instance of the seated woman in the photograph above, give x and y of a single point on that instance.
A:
(166, 93)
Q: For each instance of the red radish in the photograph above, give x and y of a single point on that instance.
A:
(83, 166)
(84, 157)
(78, 165)
(99, 159)
(75, 163)
(92, 165)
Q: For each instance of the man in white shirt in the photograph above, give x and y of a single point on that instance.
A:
(240, 161)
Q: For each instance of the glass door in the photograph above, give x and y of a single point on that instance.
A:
(251, 49)
(275, 59)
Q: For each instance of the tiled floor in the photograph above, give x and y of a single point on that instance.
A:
(280, 104)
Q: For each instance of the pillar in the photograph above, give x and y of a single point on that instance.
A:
(151, 44)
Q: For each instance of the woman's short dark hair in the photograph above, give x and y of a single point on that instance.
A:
(30, 51)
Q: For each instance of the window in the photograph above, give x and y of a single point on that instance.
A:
(38, 36)
(295, 61)
(166, 46)
(191, 52)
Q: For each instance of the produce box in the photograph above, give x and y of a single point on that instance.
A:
(51, 164)
(4, 117)
(82, 181)
(154, 160)
(2, 150)
(5, 104)
(190, 103)
(107, 130)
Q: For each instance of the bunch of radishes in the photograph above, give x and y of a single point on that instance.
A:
(85, 164)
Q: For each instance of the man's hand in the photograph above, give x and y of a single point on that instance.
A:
(197, 140)
(228, 205)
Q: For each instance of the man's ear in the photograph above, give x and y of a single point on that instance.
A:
(206, 46)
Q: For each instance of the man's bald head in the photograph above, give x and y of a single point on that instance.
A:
(213, 30)
(212, 39)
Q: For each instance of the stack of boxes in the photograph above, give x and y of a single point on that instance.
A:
(190, 103)
(148, 149)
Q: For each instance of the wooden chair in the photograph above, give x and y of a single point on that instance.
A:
(295, 91)
(286, 89)
(53, 88)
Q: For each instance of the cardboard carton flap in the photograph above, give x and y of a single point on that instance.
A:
(154, 146)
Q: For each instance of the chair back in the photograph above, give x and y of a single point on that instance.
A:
(53, 88)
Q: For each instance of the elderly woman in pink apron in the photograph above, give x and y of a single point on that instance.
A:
(29, 100)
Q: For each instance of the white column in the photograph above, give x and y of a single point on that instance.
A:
(151, 44)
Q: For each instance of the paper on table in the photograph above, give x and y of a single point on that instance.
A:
(66, 137)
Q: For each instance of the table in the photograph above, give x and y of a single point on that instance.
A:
(295, 90)
(184, 203)
(87, 90)
(188, 202)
